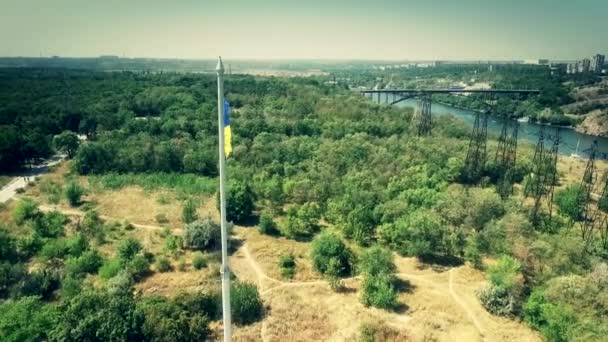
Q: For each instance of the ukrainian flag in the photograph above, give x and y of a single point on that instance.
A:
(227, 131)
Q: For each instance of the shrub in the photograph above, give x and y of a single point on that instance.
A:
(498, 300)
(378, 291)
(25, 210)
(287, 264)
(202, 234)
(331, 256)
(73, 193)
(88, 262)
(189, 214)
(420, 233)
(303, 222)
(128, 249)
(472, 253)
(121, 283)
(110, 268)
(70, 286)
(267, 225)
(161, 218)
(27, 319)
(139, 267)
(77, 244)
(375, 261)
(173, 243)
(8, 249)
(40, 283)
(571, 202)
(247, 305)
(51, 189)
(198, 261)
(163, 264)
(49, 225)
(54, 249)
(239, 201)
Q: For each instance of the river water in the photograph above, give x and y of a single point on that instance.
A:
(528, 131)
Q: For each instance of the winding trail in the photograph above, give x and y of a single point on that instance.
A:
(269, 284)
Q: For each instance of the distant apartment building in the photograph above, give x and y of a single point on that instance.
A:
(597, 63)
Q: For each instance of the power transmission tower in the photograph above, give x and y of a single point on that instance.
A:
(587, 185)
(477, 151)
(536, 163)
(601, 213)
(552, 176)
(506, 156)
(425, 119)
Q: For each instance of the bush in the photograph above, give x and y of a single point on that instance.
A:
(376, 261)
(189, 214)
(330, 256)
(420, 233)
(128, 249)
(73, 193)
(239, 201)
(70, 286)
(161, 218)
(110, 268)
(379, 291)
(571, 202)
(88, 262)
(40, 283)
(25, 210)
(139, 267)
(247, 305)
(287, 265)
(498, 301)
(198, 261)
(173, 243)
(303, 222)
(54, 249)
(50, 225)
(77, 244)
(267, 225)
(27, 319)
(163, 264)
(202, 234)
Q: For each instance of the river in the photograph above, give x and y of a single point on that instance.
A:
(528, 131)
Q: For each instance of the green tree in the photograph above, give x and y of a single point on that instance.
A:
(571, 202)
(239, 201)
(67, 142)
(246, 303)
(27, 319)
(128, 249)
(303, 221)
(375, 261)
(202, 234)
(328, 249)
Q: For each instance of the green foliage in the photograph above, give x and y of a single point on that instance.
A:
(239, 201)
(246, 303)
(26, 209)
(40, 283)
(203, 234)
(199, 261)
(505, 273)
(11, 273)
(189, 213)
(376, 261)
(27, 319)
(302, 222)
(163, 264)
(173, 243)
(67, 142)
(420, 233)
(267, 225)
(472, 253)
(504, 294)
(98, 315)
(330, 256)
(73, 193)
(287, 265)
(571, 202)
(110, 268)
(186, 184)
(378, 291)
(88, 262)
(8, 246)
(139, 267)
(169, 320)
(128, 249)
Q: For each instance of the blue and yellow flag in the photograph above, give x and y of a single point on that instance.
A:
(227, 131)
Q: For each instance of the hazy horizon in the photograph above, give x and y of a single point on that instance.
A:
(386, 30)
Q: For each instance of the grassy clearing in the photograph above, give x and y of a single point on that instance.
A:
(186, 184)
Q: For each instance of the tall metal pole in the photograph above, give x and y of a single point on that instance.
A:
(225, 271)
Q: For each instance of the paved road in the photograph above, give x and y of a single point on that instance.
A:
(20, 180)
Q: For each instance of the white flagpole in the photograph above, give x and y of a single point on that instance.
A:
(225, 271)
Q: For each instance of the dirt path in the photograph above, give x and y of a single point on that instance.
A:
(463, 304)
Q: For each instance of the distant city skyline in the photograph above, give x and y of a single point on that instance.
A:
(274, 29)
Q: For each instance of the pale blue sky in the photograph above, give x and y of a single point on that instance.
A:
(355, 29)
